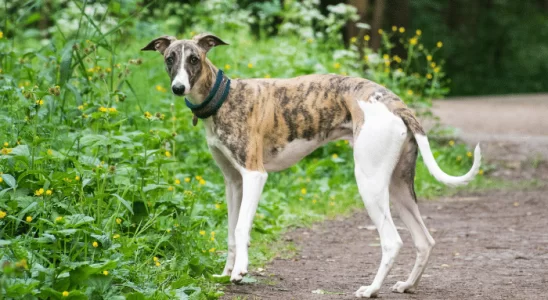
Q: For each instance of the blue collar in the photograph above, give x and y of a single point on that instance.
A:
(213, 101)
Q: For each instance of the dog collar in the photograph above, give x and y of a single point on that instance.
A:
(213, 101)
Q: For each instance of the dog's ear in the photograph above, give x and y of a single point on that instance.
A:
(208, 41)
(160, 44)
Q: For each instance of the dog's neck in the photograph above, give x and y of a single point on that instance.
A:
(210, 93)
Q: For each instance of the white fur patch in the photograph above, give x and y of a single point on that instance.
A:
(182, 75)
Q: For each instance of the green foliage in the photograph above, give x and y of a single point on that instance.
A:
(493, 47)
(108, 192)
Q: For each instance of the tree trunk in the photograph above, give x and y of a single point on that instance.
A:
(376, 24)
(351, 29)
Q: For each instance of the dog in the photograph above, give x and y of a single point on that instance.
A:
(256, 126)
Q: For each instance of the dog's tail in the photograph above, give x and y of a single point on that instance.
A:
(424, 146)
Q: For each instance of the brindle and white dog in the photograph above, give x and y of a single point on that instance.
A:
(255, 126)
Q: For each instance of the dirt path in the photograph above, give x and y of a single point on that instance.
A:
(492, 245)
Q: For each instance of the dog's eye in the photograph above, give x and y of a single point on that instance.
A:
(193, 60)
(169, 61)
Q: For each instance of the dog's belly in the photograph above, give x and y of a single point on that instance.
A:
(297, 149)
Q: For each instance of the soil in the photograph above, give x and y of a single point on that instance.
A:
(489, 245)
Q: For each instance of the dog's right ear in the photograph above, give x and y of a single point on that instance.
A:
(160, 44)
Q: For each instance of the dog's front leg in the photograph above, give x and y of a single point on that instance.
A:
(253, 183)
(233, 200)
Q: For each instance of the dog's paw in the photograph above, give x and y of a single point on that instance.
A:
(366, 292)
(237, 275)
(402, 287)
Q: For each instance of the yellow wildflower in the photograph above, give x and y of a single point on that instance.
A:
(102, 109)
(148, 115)
(6, 144)
(436, 70)
(480, 172)
(202, 182)
(335, 156)
(217, 206)
(59, 219)
(177, 181)
(95, 244)
(116, 236)
(198, 177)
(157, 263)
(187, 179)
(65, 294)
(336, 65)
(168, 154)
(381, 31)
(386, 57)
(353, 40)
(394, 28)
(212, 233)
(202, 232)
(451, 143)
(314, 201)
(3, 214)
(80, 107)
(212, 250)
(439, 44)
(170, 188)
(410, 92)
(429, 76)
(40, 102)
(1, 179)
(227, 67)
(413, 41)
(39, 192)
(105, 272)
(6, 151)
(77, 178)
(1, 34)
(433, 65)
(118, 221)
(250, 65)
(50, 152)
(267, 76)
(429, 57)
(469, 154)
(160, 89)
(310, 40)
(402, 30)
(155, 258)
(303, 191)
(108, 70)
(49, 192)
(459, 158)
(366, 38)
(112, 109)
(418, 32)
(28, 219)
(22, 264)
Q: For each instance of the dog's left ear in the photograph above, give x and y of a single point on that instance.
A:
(208, 41)
(160, 44)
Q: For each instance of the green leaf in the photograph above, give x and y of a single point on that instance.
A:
(65, 69)
(78, 220)
(9, 180)
(124, 202)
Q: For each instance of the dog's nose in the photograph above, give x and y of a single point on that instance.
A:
(178, 89)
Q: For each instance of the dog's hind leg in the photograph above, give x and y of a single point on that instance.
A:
(376, 151)
(402, 193)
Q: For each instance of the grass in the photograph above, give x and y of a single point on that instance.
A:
(108, 192)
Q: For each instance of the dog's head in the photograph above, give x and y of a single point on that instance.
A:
(185, 59)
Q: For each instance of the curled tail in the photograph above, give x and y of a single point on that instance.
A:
(424, 146)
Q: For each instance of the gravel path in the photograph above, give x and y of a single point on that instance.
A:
(492, 245)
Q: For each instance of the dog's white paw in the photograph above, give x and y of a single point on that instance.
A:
(402, 287)
(366, 291)
(237, 275)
